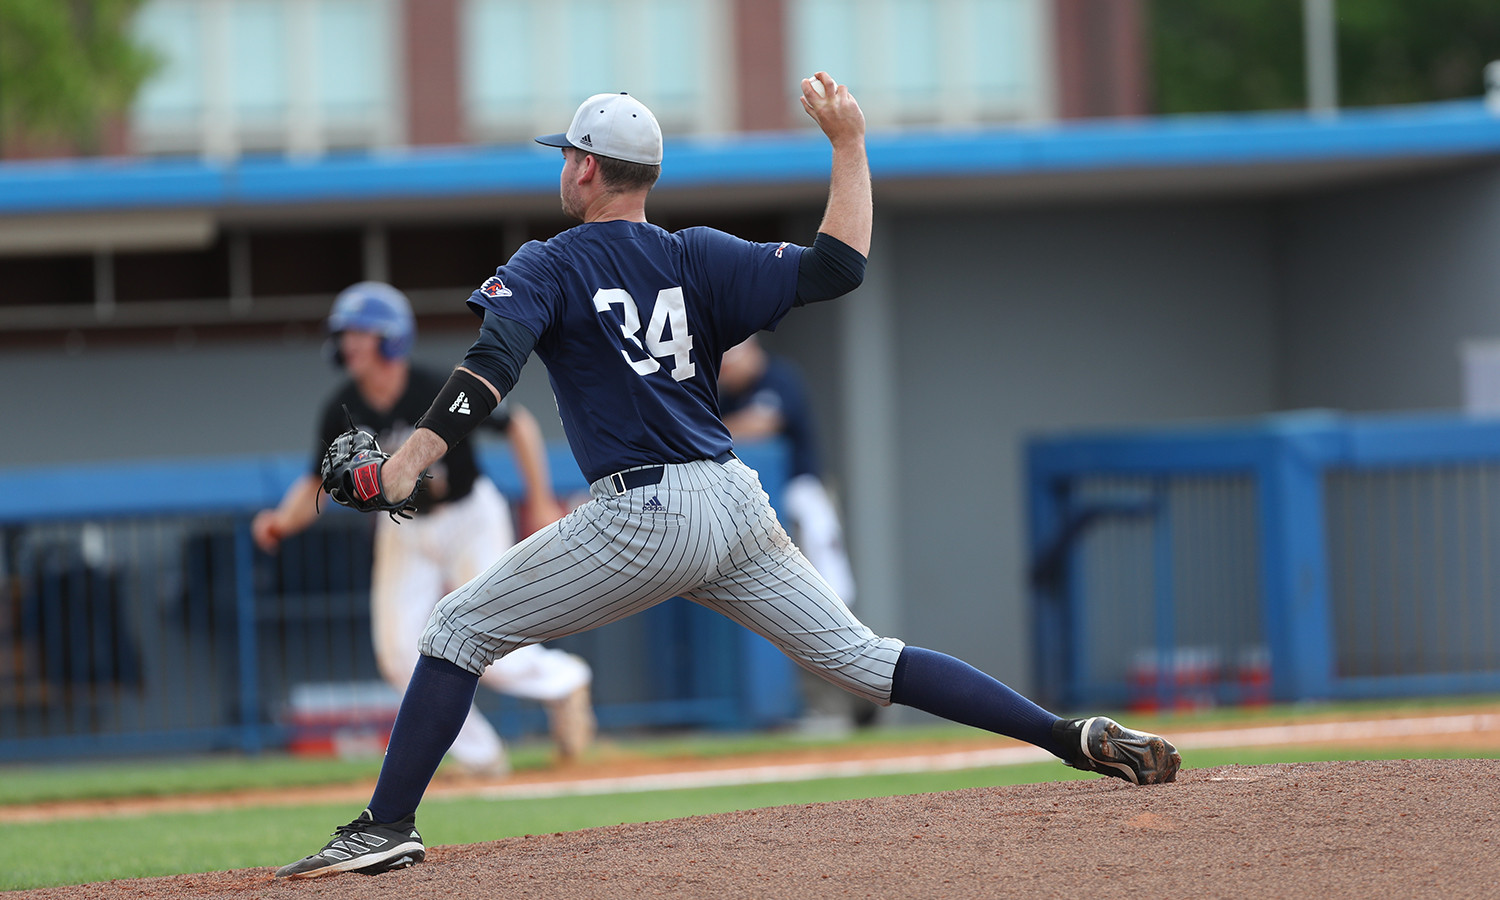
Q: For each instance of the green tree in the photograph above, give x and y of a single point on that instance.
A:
(1210, 56)
(1226, 57)
(66, 65)
(1403, 52)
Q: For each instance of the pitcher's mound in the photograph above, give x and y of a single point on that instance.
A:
(1324, 831)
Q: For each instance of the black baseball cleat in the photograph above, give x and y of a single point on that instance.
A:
(1102, 745)
(363, 846)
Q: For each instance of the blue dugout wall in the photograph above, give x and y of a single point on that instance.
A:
(1308, 556)
(138, 617)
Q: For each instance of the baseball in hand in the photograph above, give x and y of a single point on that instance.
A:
(817, 86)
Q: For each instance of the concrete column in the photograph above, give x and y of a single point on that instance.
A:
(760, 64)
(241, 297)
(1100, 58)
(375, 249)
(220, 130)
(1321, 50)
(434, 113)
(104, 284)
(305, 131)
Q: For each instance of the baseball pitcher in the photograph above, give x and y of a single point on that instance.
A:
(631, 321)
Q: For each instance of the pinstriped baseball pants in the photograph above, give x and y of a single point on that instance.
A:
(707, 533)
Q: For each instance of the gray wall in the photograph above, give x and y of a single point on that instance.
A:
(1382, 287)
(191, 401)
(1027, 322)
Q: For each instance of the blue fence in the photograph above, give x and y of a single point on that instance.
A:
(1305, 556)
(136, 616)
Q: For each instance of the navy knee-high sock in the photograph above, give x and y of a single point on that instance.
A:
(948, 687)
(433, 711)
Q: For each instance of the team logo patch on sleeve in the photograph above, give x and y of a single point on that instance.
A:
(494, 288)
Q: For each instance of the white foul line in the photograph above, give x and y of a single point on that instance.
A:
(981, 759)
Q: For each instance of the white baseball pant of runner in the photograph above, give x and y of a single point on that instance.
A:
(814, 524)
(705, 532)
(416, 562)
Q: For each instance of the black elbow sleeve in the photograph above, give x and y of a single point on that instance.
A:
(462, 404)
(829, 268)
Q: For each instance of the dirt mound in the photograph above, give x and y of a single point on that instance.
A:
(1407, 828)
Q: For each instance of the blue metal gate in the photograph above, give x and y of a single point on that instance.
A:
(137, 617)
(1307, 556)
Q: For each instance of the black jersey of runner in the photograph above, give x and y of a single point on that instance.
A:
(453, 476)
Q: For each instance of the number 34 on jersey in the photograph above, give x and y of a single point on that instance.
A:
(668, 317)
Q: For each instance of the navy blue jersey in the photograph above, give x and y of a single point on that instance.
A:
(780, 388)
(631, 321)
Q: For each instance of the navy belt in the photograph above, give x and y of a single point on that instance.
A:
(627, 481)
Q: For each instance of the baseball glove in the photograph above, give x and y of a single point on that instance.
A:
(351, 475)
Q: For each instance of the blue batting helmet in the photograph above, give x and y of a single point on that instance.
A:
(375, 307)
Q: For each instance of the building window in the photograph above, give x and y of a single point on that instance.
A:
(442, 256)
(291, 263)
(173, 98)
(928, 62)
(296, 75)
(47, 281)
(527, 64)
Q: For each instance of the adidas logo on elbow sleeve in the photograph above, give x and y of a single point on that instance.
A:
(460, 405)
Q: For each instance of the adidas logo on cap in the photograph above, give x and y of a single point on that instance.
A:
(586, 140)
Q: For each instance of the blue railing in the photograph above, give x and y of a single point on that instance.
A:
(1305, 556)
(138, 617)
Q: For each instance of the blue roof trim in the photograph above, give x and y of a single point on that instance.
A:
(1427, 130)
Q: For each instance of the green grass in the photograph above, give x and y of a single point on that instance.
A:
(43, 783)
(38, 854)
(159, 778)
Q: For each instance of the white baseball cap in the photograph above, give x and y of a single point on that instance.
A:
(614, 125)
